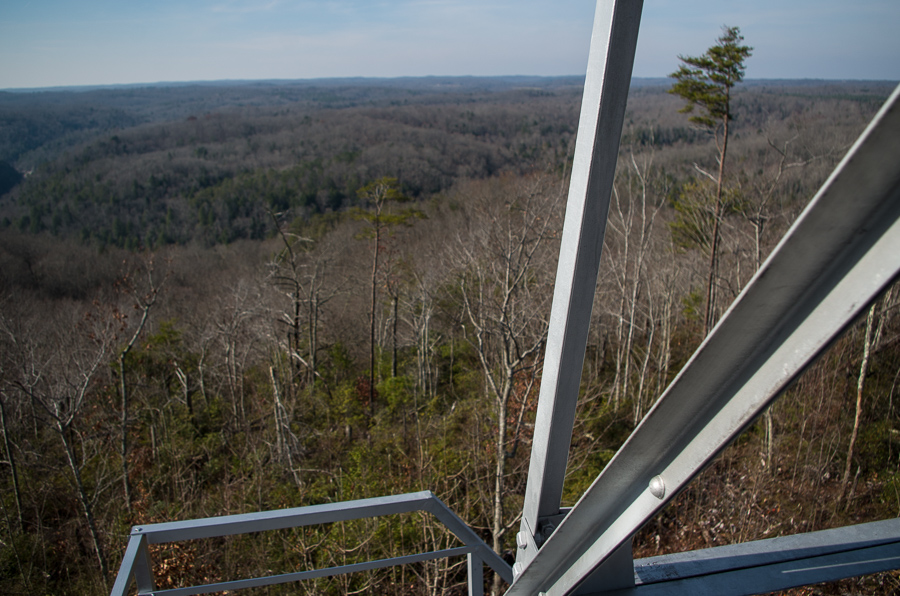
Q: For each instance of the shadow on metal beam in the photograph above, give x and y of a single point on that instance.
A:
(772, 564)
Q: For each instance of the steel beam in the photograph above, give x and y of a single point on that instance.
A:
(606, 86)
(802, 551)
(762, 579)
(773, 564)
(475, 575)
(279, 519)
(839, 255)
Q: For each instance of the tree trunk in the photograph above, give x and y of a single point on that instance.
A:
(126, 485)
(12, 465)
(294, 343)
(708, 321)
(645, 365)
(63, 431)
(123, 387)
(372, 321)
(860, 383)
(395, 299)
(497, 530)
(313, 337)
(870, 344)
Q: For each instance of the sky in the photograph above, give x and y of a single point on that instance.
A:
(50, 43)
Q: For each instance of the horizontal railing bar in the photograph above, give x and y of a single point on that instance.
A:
(765, 552)
(272, 580)
(260, 521)
(226, 525)
(765, 578)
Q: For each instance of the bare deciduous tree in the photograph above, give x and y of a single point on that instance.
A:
(505, 273)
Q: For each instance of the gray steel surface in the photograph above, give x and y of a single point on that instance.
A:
(772, 564)
(840, 253)
(279, 519)
(606, 87)
(798, 548)
(777, 576)
(136, 562)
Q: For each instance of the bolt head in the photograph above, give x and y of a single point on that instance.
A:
(522, 540)
(657, 487)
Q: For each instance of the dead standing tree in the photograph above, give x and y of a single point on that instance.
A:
(64, 368)
(636, 203)
(504, 289)
(143, 295)
(871, 343)
(378, 196)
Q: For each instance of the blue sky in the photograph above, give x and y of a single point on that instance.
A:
(92, 42)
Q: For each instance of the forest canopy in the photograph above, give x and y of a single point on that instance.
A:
(205, 309)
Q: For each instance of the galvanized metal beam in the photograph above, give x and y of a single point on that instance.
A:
(773, 564)
(606, 86)
(475, 575)
(763, 579)
(279, 519)
(799, 549)
(840, 253)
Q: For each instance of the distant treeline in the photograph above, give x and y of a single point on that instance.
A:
(146, 167)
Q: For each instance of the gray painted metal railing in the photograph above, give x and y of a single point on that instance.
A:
(137, 566)
(834, 261)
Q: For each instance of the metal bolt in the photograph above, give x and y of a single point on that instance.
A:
(522, 540)
(518, 568)
(657, 487)
(139, 529)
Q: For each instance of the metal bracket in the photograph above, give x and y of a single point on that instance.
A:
(529, 542)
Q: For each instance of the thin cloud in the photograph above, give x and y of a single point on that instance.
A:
(245, 7)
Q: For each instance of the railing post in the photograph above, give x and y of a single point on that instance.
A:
(143, 567)
(136, 564)
(476, 575)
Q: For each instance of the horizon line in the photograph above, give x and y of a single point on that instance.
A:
(376, 79)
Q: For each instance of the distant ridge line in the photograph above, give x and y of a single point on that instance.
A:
(420, 82)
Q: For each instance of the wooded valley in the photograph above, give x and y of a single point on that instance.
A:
(230, 298)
